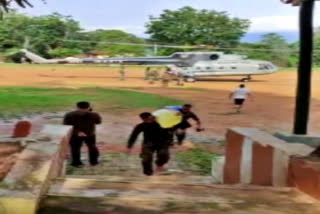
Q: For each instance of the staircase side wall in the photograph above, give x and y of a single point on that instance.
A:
(29, 179)
(258, 158)
(304, 174)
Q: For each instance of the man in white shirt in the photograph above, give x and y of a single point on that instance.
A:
(239, 95)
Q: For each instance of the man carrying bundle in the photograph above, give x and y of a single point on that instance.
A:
(180, 129)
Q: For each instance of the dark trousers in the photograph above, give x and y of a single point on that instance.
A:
(180, 131)
(181, 135)
(162, 155)
(76, 144)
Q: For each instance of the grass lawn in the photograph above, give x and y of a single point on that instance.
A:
(22, 100)
(197, 159)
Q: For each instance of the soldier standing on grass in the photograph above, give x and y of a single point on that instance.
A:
(156, 74)
(147, 74)
(156, 140)
(180, 79)
(122, 72)
(152, 77)
(165, 80)
(83, 121)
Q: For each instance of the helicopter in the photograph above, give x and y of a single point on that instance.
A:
(220, 64)
(190, 65)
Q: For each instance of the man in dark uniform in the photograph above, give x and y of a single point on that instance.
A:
(122, 72)
(180, 129)
(83, 121)
(156, 140)
(147, 74)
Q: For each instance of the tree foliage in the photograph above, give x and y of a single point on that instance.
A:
(113, 40)
(41, 34)
(193, 27)
(5, 4)
(316, 54)
(279, 50)
(274, 48)
(56, 35)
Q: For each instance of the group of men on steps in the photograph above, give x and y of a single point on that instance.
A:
(157, 140)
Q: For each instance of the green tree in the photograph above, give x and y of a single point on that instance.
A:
(254, 51)
(278, 48)
(40, 34)
(65, 52)
(294, 56)
(194, 27)
(5, 4)
(113, 42)
(317, 32)
(316, 53)
(9, 30)
(56, 35)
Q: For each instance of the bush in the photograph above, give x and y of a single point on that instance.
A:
(64, 52)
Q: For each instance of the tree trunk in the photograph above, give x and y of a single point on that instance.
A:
(305, 66)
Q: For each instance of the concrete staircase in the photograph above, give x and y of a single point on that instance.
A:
(169, 194)
(117, 186)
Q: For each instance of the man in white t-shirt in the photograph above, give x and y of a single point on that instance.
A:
(239, 95)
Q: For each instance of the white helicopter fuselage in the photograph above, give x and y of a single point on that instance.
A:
(189, 65)
(238, 67)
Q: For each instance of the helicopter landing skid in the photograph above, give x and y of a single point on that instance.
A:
(247, 79)
(189, 79)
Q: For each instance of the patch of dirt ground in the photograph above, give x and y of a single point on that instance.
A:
(281, 83)
(268, 112)
(272, 108)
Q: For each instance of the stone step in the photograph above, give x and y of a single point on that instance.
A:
(78, 205)
(76, 186)
(163, 178)
(80, 195)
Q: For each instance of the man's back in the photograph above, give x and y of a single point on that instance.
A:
(152, 134)
(241, 93)
(82, 122)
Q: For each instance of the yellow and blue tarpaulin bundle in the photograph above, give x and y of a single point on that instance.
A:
(168, 116)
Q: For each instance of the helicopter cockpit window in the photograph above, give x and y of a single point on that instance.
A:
(214, 57)
(176, 56)
(185, 56)
(263, 67)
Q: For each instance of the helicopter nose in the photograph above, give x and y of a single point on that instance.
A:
(272, 68)
(269, 67)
